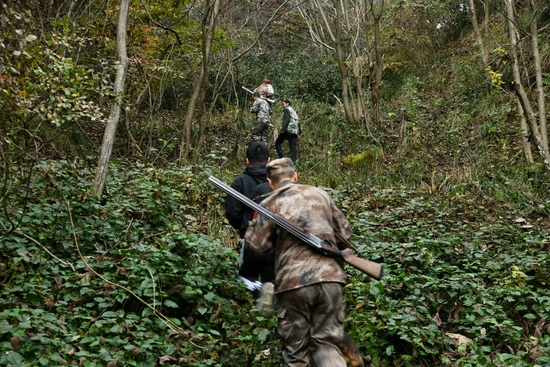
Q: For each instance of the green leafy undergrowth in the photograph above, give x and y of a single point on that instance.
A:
(454, 270)
(130, 279)
(141, 277)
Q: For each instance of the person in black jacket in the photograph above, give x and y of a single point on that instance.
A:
(253, 271)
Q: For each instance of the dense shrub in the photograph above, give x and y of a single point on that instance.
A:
(139, 276)
(128, 277)
(452, 268)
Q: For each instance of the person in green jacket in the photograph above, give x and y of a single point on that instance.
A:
(290, 130)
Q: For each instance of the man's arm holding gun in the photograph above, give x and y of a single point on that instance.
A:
(367, 267)
(270, 100)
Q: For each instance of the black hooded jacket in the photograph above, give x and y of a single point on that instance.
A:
(239, 214)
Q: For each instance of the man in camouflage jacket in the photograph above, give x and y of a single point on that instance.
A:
(308, 284)
(262, 109)
(290, 130)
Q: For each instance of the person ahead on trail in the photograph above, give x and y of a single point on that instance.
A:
(308, 284)
(290, 130)
(262, 109)
(251, 269)
(265, 89)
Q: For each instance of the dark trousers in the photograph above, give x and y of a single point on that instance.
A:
(292, 141)
(255, 268)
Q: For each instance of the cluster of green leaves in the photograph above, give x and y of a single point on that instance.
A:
(451, 267)
(60, 91)
(47, 84)
(454, 267)
(48, 93)
(86, 280)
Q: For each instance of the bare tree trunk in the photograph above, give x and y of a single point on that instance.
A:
(357, 103)
(331, 26)
(538, 75)
(205, 120)
(524, 134)
(209, 20)
(376, 76)
(114, 115)
(520, 91)
(487, 9)
(342, 68)
(185, 145)
(479, 38)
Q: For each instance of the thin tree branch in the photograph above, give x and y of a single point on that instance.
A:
(262, 31)
(66, 263)
(160, 25)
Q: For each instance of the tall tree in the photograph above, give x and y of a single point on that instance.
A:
(114, 115)
(376, 64)
(541, 101)
(519, 88)
(211, 9)
(475, 25)
(336, 26)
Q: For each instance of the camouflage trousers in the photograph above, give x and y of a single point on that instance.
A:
(259, 131)
(311, 320)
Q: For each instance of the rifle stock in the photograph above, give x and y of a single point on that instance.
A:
(367, 267)
(371, 268)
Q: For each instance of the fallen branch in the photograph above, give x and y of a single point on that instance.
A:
(66, 263)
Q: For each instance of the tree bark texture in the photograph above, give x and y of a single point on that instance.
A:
(208, 28)
(378, 66)
(521, 94)
(479, 38)
(524, 134)
(538, 75)
(114, 115)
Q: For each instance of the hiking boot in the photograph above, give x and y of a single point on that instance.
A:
(265, 302)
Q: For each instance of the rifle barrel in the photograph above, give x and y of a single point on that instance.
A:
(283, 223)
(368, 267)
(248, 90)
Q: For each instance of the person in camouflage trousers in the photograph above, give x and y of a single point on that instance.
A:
(308, 284)
(262, 109)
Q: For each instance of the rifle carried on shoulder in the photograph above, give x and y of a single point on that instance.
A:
(262, 97)
(371, 268)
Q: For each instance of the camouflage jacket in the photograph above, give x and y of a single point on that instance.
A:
(291, 123)
(296, 263)
(262, 110)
